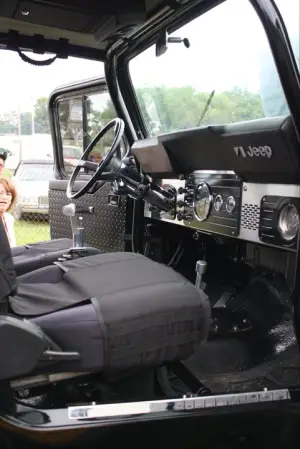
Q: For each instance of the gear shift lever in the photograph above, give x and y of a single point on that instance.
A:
(201, 267)
(69, 210)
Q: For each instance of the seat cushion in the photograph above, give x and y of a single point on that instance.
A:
(56, 287)
(37, 255)
(140, 313)
(42, 247)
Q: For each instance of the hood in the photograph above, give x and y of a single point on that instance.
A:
(32, 188)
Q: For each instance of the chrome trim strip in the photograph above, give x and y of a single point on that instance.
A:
(101, 411)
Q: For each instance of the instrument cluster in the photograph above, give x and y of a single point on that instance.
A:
(211, 202)
(221, 203)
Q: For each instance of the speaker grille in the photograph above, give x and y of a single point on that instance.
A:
(250, 217)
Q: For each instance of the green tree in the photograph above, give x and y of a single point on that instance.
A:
(6, 127)
(96, 120)
(41, 118)
(168, 109)
(26, 123)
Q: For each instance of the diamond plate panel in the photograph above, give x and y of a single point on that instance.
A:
(104, 229)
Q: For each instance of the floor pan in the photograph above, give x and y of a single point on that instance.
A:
(284, 372)
(239, 365)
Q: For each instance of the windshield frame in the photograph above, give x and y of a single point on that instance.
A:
(276, 33)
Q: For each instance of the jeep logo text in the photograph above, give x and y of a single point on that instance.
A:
(251, 151)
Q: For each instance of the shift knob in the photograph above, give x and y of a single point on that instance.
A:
(69, 210)
(201, 267)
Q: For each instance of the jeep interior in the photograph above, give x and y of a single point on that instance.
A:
(170, 286)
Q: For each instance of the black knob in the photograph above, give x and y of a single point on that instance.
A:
(180, 216)
(181, 203)
(181, 190)
(183, 216)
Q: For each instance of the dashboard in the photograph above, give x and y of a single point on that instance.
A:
(239, 180)
(221, 203)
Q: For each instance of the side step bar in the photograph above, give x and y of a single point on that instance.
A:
(95, 411)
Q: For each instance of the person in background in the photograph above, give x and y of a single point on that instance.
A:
(3, 156)
(8, 197)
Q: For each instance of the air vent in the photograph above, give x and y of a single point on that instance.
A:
(250, 217)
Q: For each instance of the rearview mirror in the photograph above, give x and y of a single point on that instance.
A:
(161, 43)
(163, 40)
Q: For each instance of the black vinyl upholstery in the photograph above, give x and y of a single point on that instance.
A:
(37, 255)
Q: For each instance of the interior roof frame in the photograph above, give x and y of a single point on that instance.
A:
(40, 45)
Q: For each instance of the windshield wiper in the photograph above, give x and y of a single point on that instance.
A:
(206, 108)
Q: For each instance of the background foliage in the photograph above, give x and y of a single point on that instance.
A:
(176, 108)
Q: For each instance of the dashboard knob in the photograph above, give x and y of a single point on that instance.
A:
(230, 204)
(183, 216)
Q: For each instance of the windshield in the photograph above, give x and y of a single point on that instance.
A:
(227, 74)
(36, 172)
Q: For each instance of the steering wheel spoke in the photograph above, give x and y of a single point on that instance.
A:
(93, 166)
(100, 173)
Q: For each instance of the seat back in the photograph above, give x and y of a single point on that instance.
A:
(8, 278)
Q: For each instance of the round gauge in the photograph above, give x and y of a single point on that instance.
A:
(218, 203)
(288, 222)
(202, 201)
(230, 204)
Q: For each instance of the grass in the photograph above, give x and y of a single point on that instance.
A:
(31, 232)
(27, 231)
(7, 173)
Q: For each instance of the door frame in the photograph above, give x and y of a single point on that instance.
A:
(80, 88)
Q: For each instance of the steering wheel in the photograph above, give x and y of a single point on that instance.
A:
(119, 126)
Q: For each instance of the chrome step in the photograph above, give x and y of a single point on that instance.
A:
(170, 405)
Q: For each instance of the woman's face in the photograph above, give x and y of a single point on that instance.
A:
(5, 199)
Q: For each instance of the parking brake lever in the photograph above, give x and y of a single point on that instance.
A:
(85, 210)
